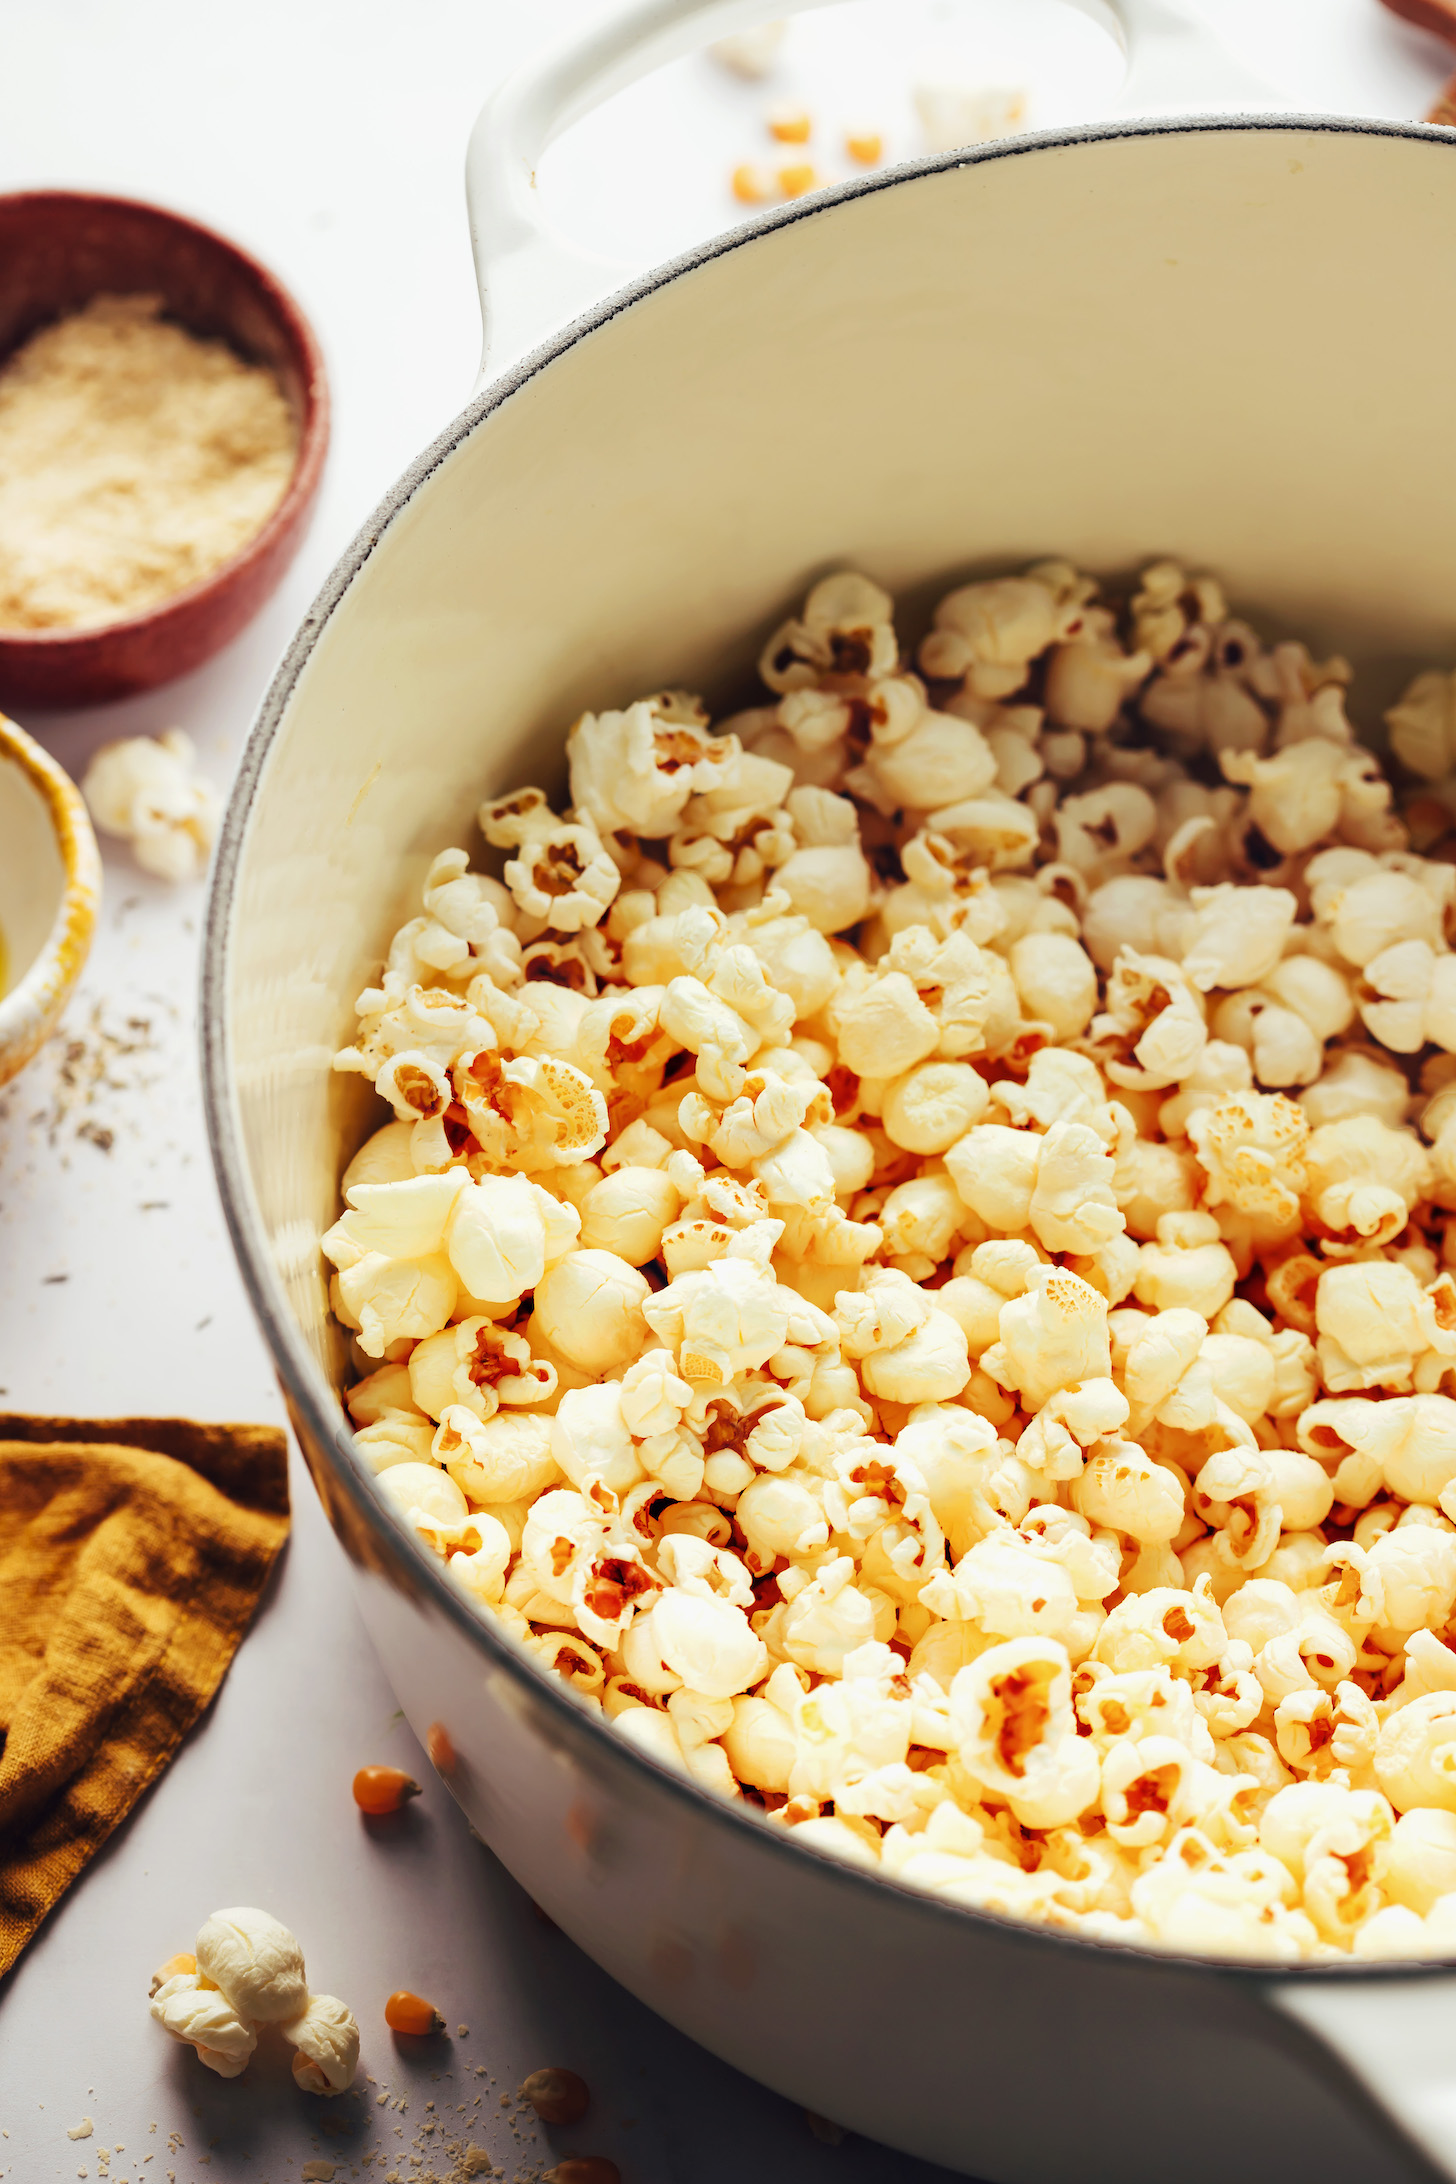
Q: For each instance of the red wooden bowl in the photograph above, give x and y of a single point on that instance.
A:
(59, 248)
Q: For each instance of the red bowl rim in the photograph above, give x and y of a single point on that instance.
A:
(313, 438)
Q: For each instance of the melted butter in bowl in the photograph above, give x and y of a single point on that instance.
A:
(50, 884)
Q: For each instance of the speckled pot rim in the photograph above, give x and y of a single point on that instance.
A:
(316, 1403)
(30, 1010)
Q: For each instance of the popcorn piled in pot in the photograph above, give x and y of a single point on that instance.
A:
(246, 1973)
(913, 1260)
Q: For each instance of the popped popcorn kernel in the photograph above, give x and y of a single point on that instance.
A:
(752, 53)
(912, 1268)
(146, 790)
(247, 1973)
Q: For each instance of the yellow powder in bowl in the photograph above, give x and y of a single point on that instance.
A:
(134, 460)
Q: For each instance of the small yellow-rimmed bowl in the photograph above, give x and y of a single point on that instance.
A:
(50, 890)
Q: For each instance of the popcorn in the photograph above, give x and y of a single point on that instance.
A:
(829, 885)
(930, 1365)
(427, 1498)
(256, 1962)
(477, 1557)
(1378, 911)
(1423, 725)
(1238, 935)
(929, 1108)
(1119, 819)
(1419, 1866)
(1415, 1567)
(144, 789)
(722, 1319)
(590, 1439)
(325, 2039)
(781, 1516)
(761, 1744)
(1374, 1320)
(1415, 1754)
(396, 1437)
(1010, 1589)
(990, 633)
(1124, 1490)
(913, 1269)
(1089, 677)
(1150, 1787)
(846, 628)
(707, 1642)
(504, 1233)
(202, 2017)
(475, 1364)
(535, 1109)
(1199, 1902)
(1153, 1027)
(1188, 1268)
(1056, 981)
(1012, 1712)
(1052, 1337)
(938, 760)
(850, 1732)
(830, 1618)
(589, 1306)
(248, 1973)
(507, 1458)
(396, 1300)
(750, 53)
(1251, 1146)
(1300, 793)
(414, 1036)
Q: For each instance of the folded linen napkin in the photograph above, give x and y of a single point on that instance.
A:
(133, 1553)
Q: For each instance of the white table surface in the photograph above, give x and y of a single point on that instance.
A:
(329, 138)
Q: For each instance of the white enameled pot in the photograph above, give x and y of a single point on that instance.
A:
(1229, 339)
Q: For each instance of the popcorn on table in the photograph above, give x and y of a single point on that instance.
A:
(247, 1972)
(913, 1263)
(146, 789)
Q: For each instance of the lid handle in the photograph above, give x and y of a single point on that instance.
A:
(532, 280)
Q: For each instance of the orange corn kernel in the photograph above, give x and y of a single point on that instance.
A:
(383, 1789)
(584, 2169)
(558, 2096)
(752, 185)
(789, 125)
(794, 181)
(866, 146)
(406, 2012)
(184, 1961)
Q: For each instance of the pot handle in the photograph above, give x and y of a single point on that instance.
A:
(532, 280)
(1397, 2038)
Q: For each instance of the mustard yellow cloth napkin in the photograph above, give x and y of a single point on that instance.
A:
(133, 1552)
